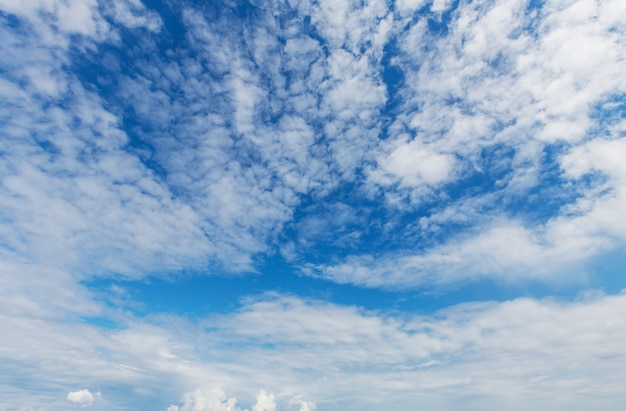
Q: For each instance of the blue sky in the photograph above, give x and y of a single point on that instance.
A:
(328, 205)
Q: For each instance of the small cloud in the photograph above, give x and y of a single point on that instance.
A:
(307, 406)
(264, 402)
(83, 397)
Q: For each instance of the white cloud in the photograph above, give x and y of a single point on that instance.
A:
(407, 6)
(83, 397)
(54, 20)
(73, 178)
(413, 164)
(71, 17)
(604, 156)
(198, 400)
(133, 14)
(440, 5)
(70, 194)
(307, 406)
(264, 402)
(351, 24)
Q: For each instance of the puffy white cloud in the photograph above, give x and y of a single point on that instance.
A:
(406, 6)
(198, 400)
(600, 155)
(413, 164)
(83, 397)
(307, 406)
(133, 14)
(264, 402)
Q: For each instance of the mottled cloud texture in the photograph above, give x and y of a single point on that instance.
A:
(292, 205)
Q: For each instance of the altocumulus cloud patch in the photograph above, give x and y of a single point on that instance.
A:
(332, 204)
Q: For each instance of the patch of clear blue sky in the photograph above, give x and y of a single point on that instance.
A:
(607, 113)
(202, 294)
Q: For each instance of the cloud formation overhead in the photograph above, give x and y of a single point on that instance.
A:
(288, 205)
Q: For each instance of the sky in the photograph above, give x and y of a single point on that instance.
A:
(277, 205)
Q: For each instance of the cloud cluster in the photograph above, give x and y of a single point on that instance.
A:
(198, 400)
(518, 81)
(76, 198)
(216, 400)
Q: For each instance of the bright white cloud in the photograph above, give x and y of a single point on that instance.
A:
(406, 6)
(70, 17)
(440, 5)
(83, 397)
(413, 164)
(603, 156)
(264, 402)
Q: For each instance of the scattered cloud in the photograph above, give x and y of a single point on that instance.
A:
(216, 400)
(407, 145)
(264, 402)
(83, 397)
(199, 400)
(305, 118)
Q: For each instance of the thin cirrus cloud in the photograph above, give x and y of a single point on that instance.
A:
(326, 156)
